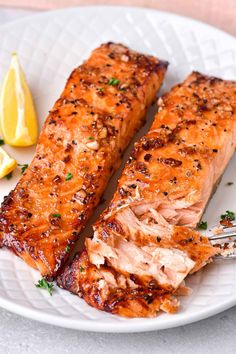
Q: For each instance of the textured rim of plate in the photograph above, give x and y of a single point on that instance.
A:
(132, 325)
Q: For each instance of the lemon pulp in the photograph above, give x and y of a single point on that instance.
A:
(7, 164)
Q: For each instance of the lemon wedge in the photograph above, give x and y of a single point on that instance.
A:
(18, 120)
(7, 164)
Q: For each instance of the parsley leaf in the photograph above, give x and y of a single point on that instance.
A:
(69, 176)
(229, 215)
(2, 142)
(9, 176)
(44, 284)
(113, 82)
(91, 137)
(202, 225)
(81, 269)
(56, 215)
(23, 167)
(67, 249)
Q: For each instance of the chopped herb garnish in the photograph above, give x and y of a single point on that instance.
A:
(229, 215)
(67, 249)
(23, 167)
(9, 176)
(2, 142)
(56, 215)
(113, 82)
(44, 284)
(202, 225)
(101, 89)
(69, 176)
(229, 183)
(91, 137)
(81, 269)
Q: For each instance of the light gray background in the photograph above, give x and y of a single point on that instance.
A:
(20, 335)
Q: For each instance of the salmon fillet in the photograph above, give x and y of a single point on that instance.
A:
(142, 249)
(103, 104)
(184, 154)
(136, 274)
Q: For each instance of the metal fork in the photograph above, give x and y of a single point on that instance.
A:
(226, 238)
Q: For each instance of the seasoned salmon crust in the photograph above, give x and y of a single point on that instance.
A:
(102, 106)
(142, 249)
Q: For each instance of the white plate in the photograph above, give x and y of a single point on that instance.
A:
(50, 45)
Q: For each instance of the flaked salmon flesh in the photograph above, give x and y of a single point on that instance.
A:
(102, 106)
(144, 246)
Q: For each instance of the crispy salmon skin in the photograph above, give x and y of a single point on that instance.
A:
(103, 104)
(142, 249)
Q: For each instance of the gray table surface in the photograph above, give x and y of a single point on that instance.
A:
(20, 335)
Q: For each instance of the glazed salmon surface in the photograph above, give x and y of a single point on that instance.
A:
(181, 159)
(102, 106)
(142, 249)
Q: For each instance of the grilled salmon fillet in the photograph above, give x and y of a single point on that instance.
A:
(143, 246)
(181, 159)
(134, 273)
(103, 104)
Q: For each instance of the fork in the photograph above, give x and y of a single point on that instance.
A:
(226, 239)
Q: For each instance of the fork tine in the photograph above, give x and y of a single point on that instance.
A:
(229, 227)
(222, 235)
(223, 227)
(226, 238)
(228, 256)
